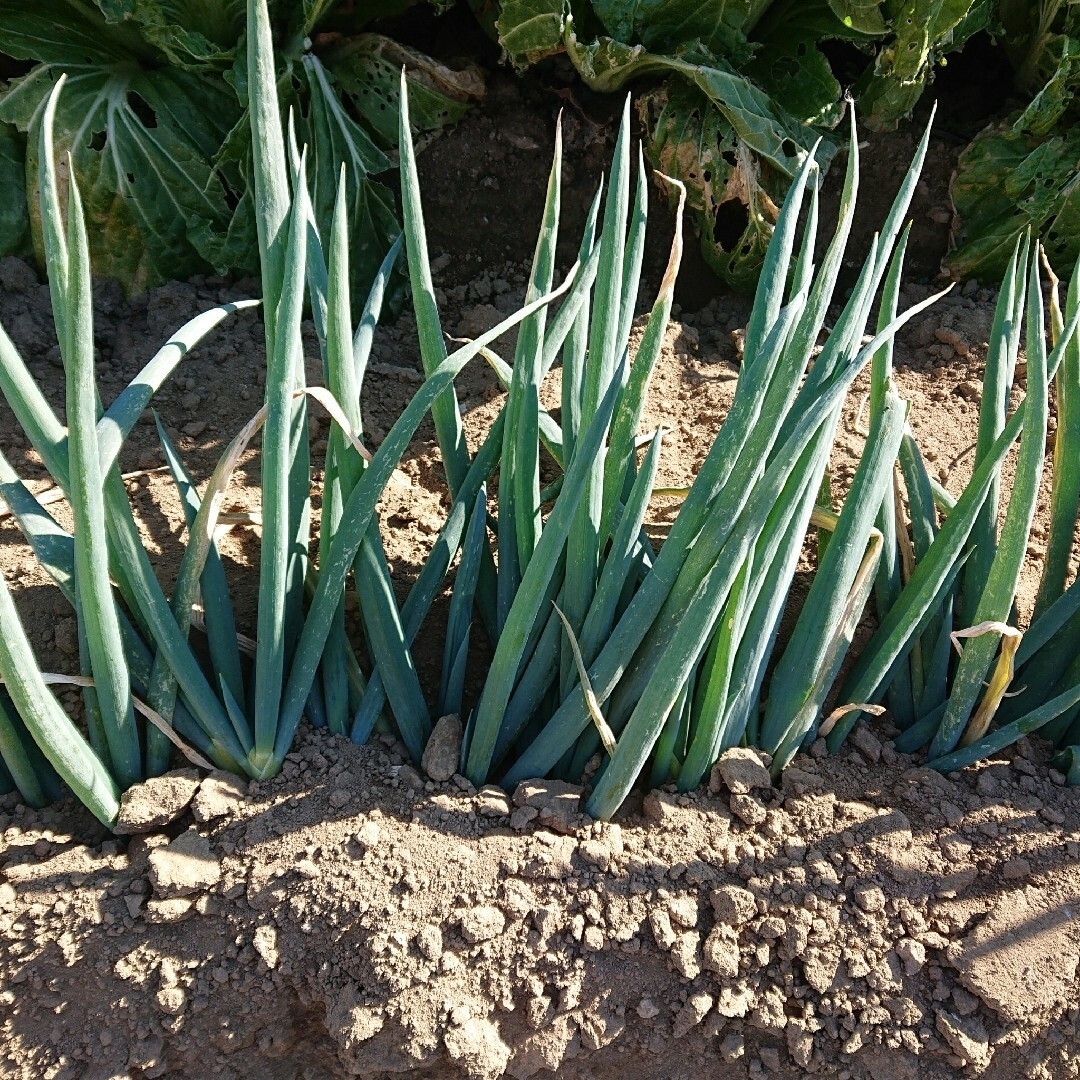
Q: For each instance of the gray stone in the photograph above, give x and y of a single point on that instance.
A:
(155, 802)
(867, 743)
(443, 750)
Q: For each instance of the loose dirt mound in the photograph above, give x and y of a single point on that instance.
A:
(869, 919)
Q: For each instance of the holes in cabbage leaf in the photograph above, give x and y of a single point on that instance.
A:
(730, 223)
(98, 140)
(147, 116)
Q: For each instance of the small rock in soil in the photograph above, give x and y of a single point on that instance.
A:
(692, 1013)
(410, 779)
(740, 770)
(966, 1038)
(800, 1043)
(186, 866)
(660, 924)
(556, 801)
(479, 1048)
(747, 809)
(684, 911)
(721, 952)
(685, 954)
(220, 794)
(429, 941)
(264, 943)
(168, 911)
(492, 801)
(482, 923)
(733, 905)
(732, 1048)
(443, 751)
(867, 743)
(156, 802)
(369, 836)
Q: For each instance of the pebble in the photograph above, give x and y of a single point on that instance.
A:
(557, 803)
(443, 750)
(1016, 870)
(662, 931)
(409, 779)
(429, 940)
(307, 868)
(369, 836)
(171, 1000)
(966, 1038)
(870, 898)
(683, 911)
(168, 911)
(740, 770)
(492, 801)
(732, 904)
(913, 955)
(692, 1013)
(685, 954)
(732, 1047)
(721, 952)
(867, 743)
(747, 809)
(647, 1009)
(264, 942)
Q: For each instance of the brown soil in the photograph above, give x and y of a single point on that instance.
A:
(869, 919)
(873, 919)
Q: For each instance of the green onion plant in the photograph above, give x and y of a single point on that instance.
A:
(956, 590)
(612, 660)
(147, 690)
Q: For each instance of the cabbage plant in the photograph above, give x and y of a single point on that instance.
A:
(155, 117)
(734, 93)
(1023, 171)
